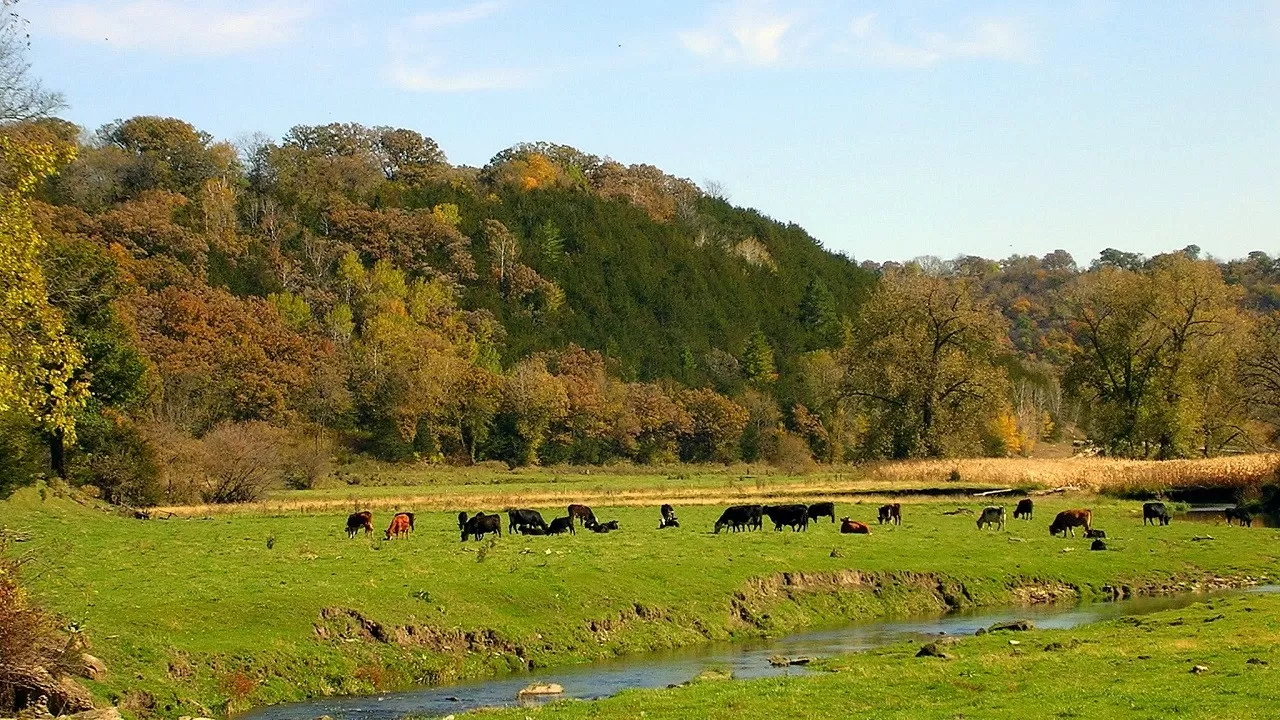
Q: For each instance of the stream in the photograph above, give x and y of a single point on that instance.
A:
(748, 659)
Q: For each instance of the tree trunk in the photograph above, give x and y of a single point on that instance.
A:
(58, 453)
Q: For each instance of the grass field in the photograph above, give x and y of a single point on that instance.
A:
(1128, 668)
(211, 614)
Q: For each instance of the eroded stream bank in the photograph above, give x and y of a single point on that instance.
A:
(750, 659)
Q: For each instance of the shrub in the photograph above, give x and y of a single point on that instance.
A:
(30, 646)
(307, 459)
(120, 460)
(241, 461)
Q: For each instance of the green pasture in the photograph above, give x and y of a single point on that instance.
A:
(1216, 659)
(206, 615)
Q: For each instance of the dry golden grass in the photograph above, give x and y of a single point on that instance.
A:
(1242, 472)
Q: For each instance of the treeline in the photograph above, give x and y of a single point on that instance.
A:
(189, 320)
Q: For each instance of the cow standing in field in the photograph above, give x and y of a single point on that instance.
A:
(822, 509)
(519, 518)
(796, 515)
(581, 513)
(477, 526)
(359, 521)
(738, 517)
(891, 513)
(399, 526)
(1025, 509)
(1069, 520)
(562, 525)
(992, 515)
(1155, 512)
(668, 518)
(1240, 515)
(853, 527)
(462, 520)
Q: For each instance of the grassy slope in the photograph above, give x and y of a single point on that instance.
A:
(1127, 668)
(201, 609)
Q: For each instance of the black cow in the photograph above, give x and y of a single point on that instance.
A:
(520, 518)
(797, 516)
(1025, 509)
(603, 527)
(1155, 512)
(359, 521)
(410, 519)
(462, 520)
(561, 525)
(891, 513)
(531, 530)
(668, 518)
(1239, 515)
(1095, 533)
(738, 517)
(480, 524)
(822, 509)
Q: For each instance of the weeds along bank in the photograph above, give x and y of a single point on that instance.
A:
(217, 614)
(1214, 659)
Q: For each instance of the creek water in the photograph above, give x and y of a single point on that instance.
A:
(749, 659)
(1217, 515)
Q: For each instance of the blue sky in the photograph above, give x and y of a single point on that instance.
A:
(887, 129)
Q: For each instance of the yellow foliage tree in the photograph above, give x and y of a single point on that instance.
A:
(38, 361)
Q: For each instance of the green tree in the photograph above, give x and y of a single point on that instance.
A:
(818, 315)
(923, 365)
(757, 360)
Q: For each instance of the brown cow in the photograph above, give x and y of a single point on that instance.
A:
(358, 521)
(1069, 520)
(582, 513)
(890, 514)
(399, 526)
(848, 526)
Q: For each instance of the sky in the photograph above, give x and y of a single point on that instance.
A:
(888, 130)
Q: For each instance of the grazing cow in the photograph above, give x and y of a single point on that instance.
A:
(561, 525)
(399, 526)
(1095, 533)
(822, 509)
(854, 527)
(582, 513)
(480, 524)
(991, 515)
(1240, 515)
(410, 516)
(1154, 512)
(1069, 520)
(890, 514)
(795, 515)
(668, 518)
(358, 521)
(738, 517)
(1025, 509)
(520, 518)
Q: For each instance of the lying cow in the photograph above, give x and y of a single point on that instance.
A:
(358, 521)
(991, 515)
(1154, 512)
(795, 515)
(891, 513)
(1240, 515)
(533, 530)
(1025, 509)
(822, 509)
(399, 526)
(582, 513)
(604, 527)
(738, 517)
(477, 526)
(1069, 520)
(668, 518)
(561, 525)
(520, 518)
(1095, 533)
(854, 527)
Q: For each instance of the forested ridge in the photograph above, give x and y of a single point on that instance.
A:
(190, 319)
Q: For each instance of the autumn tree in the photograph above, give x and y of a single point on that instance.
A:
(716, 424)
(922, 365)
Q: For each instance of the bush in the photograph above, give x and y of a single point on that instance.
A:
(241, 461)
(308, 459)
(32, 649)
(117, 457)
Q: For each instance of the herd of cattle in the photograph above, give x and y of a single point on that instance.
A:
(750, 517)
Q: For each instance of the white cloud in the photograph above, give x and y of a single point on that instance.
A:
(421, 79)
(745, 32)
(994, 38)
(191, 27)
(437, 19)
